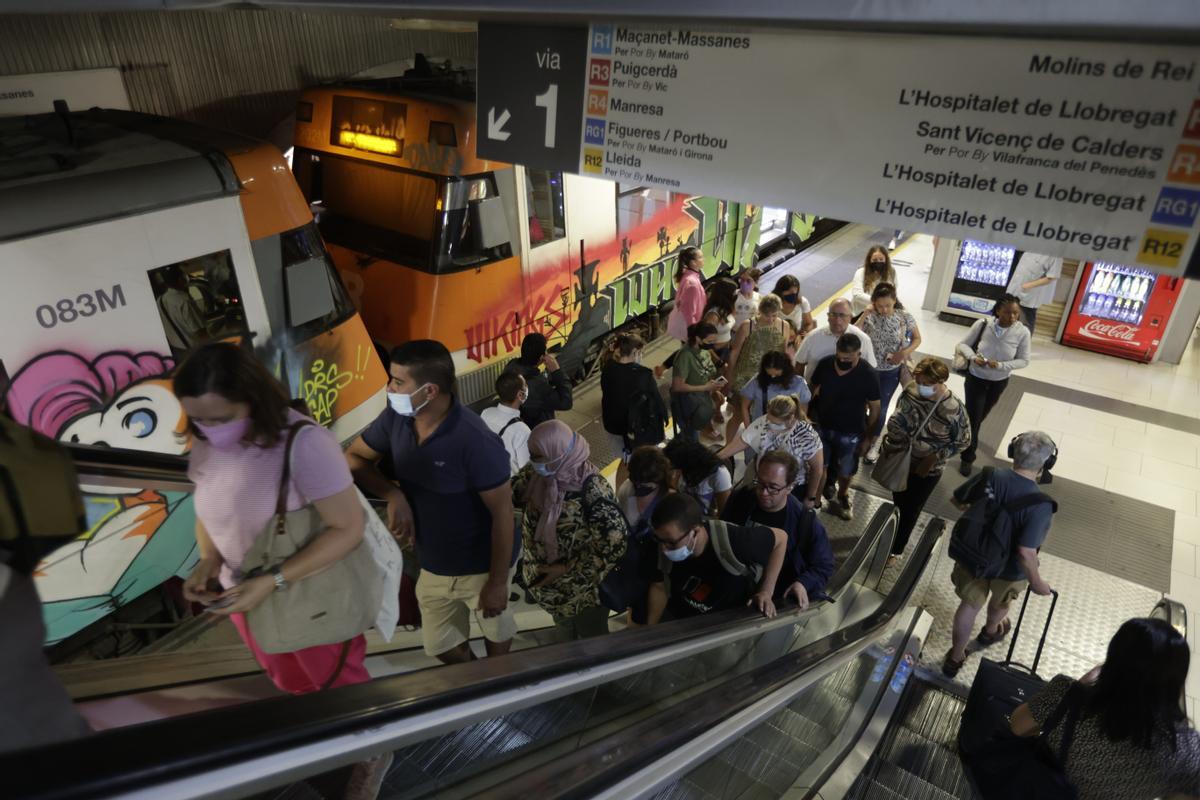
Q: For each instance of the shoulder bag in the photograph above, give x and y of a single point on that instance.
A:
(331, 606)
(962, 363)
(891, 471)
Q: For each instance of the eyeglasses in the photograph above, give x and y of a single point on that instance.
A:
(838, 314)
(671, 544)
(767, 488)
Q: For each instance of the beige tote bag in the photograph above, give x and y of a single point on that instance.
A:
(331, 606)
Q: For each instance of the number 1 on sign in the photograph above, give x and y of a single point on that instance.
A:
(549, 101)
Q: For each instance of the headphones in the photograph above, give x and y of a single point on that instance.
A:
(1046, 477)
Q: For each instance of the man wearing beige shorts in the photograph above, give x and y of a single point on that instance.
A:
(1030, 524)
(453, 496)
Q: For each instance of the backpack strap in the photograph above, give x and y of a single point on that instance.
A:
(1030, 500)
(718, 536)
(508, 425)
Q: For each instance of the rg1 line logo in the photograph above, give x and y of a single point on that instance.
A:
(593, 131)
(1176, 207)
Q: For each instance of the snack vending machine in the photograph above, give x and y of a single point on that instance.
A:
(1121, 311)
(980, 277)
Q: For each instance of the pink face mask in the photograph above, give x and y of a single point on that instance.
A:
(227, 434)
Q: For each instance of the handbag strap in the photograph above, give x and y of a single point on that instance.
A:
(1070, 708)
(285, 480)
(337, 670)
(925, 421)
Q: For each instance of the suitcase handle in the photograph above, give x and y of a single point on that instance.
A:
(1012, 645)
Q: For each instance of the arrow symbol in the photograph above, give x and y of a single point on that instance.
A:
(496, 126)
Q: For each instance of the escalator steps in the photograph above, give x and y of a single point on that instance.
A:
(933, 763)
(905, 784)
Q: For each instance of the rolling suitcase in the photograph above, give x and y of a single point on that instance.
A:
(1001, 686)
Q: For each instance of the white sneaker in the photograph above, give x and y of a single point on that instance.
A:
(872, 454)
(892, 244)
(366, 779)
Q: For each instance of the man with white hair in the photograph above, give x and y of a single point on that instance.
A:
(1008, 500)
(822, 342)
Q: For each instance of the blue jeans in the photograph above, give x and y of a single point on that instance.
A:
(889, 379)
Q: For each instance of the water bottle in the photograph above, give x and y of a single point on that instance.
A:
(1106, 309)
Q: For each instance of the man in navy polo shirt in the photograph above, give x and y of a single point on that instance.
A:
(454, 496)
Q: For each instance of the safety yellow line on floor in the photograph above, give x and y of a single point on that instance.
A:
(610, 471)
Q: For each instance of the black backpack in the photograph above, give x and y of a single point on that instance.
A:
(984, 536)
(644, 422)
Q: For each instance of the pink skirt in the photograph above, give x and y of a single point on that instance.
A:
(308, 670)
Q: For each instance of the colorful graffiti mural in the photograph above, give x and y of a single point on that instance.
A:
(616, 280)
(136, 538)
(335, 372)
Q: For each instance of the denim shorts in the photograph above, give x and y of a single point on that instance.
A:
(841, 452)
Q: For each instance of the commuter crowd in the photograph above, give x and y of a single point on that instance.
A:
(511, 497)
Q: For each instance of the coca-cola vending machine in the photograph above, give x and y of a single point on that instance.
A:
(1121, 311)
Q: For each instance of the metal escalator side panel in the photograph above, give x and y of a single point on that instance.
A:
(648, 756)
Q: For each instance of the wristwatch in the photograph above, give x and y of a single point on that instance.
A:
(281, 583)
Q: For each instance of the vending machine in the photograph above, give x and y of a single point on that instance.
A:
(1121, 311)
(981, 277)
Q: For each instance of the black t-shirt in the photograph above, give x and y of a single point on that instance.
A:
(742, 508)
(841, 404)
(700, 584)
(618, 385)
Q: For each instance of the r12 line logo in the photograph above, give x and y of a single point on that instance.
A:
(1095, 329)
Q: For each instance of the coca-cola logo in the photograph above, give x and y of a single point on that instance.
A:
(1095, 329)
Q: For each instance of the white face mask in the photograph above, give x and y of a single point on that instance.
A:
(522, 397)
(926, 391)
(402, 403)
(778, 427)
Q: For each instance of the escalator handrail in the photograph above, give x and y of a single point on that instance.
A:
(608, 761)
(142, 756)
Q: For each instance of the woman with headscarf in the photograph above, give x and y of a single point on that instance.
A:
(573, 531)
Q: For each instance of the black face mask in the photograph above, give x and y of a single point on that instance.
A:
(790, 298)
(644, 489)
(844, 365)
(707, 345)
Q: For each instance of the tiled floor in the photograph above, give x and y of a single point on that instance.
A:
(1125, 456)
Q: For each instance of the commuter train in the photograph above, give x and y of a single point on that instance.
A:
(433, 241)
(95, 209)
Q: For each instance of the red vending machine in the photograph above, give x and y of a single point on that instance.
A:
(1121, 311)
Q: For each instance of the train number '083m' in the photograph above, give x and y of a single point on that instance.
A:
(88, 304)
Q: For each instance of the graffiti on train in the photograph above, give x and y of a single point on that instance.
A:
(547, 313)
(136, 538)
(325, 381)
(432, 157)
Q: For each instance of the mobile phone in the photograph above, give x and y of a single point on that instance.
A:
(722, 379)
(224, 602)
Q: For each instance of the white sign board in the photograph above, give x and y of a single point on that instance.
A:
(1067, 148)
(35, 94)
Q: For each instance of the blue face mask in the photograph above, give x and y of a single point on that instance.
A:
(681, 553)
(548, 469)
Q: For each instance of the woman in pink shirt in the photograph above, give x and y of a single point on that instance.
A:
(689, 293)
(239, 419)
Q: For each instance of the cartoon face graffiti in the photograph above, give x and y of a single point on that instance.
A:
(135, 539)
(146, 416)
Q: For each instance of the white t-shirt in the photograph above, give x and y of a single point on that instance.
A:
(515, 436)
(745, 307)
(1031, 267)
(822, 343)
(796, 316)
(707, 489)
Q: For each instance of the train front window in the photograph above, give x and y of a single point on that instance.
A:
(371, 208)
(474, 226)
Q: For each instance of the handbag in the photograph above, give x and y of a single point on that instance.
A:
(1011, 767)
(624, 584)
(328, 607)
(891, 470)
(962, 364)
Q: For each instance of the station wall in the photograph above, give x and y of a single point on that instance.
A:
(238, 70)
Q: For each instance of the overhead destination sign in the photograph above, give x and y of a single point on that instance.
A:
(1079, 149)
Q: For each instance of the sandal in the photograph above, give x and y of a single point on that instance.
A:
(950, 667)
(986, 639)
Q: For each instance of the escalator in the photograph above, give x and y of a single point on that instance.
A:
(862, 723)
(453, 729)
